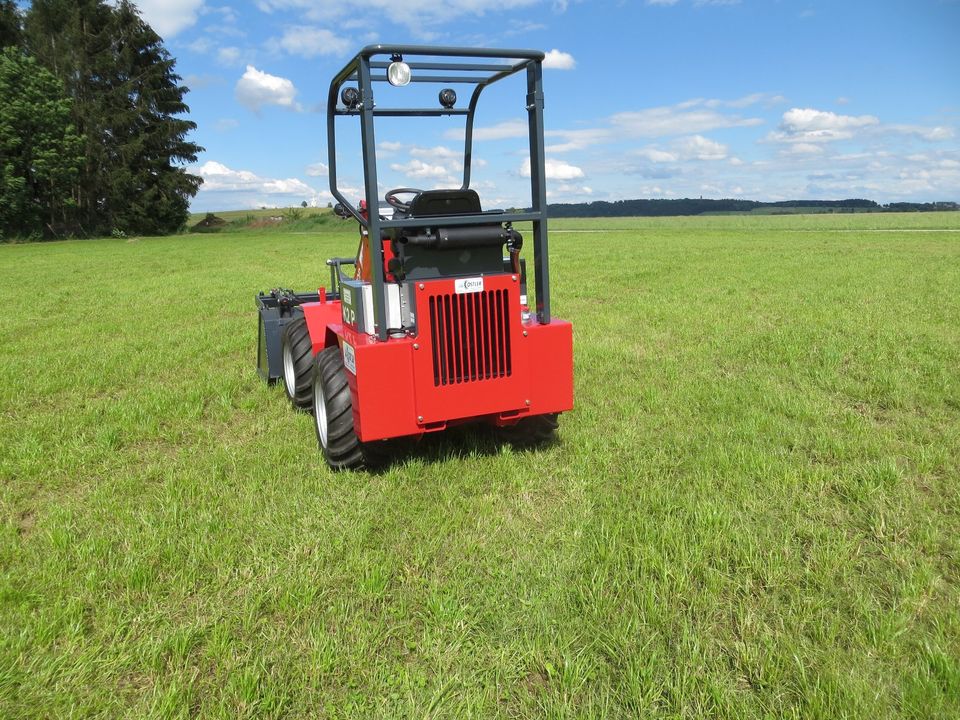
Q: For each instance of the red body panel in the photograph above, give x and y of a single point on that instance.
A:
(320, 317)
(472, 358)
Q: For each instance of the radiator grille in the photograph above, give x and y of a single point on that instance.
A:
(470, 337)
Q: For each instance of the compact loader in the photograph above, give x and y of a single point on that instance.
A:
(432, 327)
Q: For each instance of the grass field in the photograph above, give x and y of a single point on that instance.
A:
(753, 511)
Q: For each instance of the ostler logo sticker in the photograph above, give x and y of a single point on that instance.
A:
(468, 285)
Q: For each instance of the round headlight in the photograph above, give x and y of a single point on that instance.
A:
(448, 97)
(398, 74)
(350, 97)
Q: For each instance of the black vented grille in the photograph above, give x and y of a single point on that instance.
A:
(470, 336)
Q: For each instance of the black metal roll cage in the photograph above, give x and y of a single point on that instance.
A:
(365, 71)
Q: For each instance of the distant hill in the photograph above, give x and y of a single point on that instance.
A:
(695, 206)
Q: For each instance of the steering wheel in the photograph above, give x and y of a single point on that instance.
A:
(394, 202)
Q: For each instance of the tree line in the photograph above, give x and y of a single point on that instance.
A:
(699, 206)
(93, 138)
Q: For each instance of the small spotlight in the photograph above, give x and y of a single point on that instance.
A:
(398, 72)
(448, 97)
(350, 97)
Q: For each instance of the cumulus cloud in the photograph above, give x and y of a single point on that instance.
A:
(807, 125)
(419, 169)
(257, 88)
(219, 178)
(168, 17)
(318, 169)
(436, 152)
(554, 170)
(309, 41)
(697, 147)
(557, 60)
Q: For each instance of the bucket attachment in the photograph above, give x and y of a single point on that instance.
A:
(276, 309)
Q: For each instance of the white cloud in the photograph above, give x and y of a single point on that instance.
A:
(168, 17)
(309, 41)
(655, 155)
(807, 125)
(690, 117)
(554, 170)
(217, 177)
(579, 139)
(930, 134)
(682, 119)
(697, 147)
(387, 149)
(557, 60)
(438, 152)
(802, 148)
(419, 169)
(568, 190)
(318, 169)
(257, 88)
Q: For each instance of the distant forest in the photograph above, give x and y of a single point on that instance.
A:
(693, 206)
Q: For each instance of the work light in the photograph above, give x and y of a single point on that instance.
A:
(448, 97)
(398, 72)
(350, 97)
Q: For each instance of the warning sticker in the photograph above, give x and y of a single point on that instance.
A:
(350, 358)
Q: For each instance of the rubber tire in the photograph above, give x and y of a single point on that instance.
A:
(532, 431)
(333, 422)
(295, 340)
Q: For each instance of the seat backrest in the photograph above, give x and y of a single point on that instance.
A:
(434, 203)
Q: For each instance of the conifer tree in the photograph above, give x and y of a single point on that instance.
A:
(128, 103)
(11, 27)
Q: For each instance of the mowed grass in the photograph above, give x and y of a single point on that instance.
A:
(753, 511)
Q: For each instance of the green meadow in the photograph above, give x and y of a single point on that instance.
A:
(752, 512)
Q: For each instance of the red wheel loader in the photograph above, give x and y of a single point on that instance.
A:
(432, 327)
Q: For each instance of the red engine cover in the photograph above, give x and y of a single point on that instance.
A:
(472, 358)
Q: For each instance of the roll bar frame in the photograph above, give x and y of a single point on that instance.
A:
(478, 66)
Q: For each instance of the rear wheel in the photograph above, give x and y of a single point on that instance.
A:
(333, 416)
(531, 431)
(297, 350)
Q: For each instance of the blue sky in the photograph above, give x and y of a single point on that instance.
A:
(760, 99)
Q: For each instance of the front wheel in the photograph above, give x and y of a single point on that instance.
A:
(333, 415)
(297, 351)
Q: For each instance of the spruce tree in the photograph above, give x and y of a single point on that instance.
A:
(11, 27)
(128, 103)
